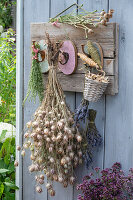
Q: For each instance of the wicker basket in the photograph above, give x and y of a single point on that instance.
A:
(93, 90)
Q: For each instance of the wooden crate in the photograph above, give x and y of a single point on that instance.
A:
(106, 36)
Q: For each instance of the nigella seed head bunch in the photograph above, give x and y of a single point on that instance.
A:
(54, 141)
(111, 184)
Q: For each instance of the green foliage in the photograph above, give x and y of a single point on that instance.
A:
(5, 13)
(7, 77)
(7, 169)
(35, 84)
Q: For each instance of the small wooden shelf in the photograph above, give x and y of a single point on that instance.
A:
(106, 36)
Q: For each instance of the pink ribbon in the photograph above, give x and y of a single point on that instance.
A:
(35, 51)
(56, 24)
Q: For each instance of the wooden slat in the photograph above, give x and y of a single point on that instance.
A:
(19, 96)
(34, 11)
(61, 192)
(66, 31)
(119, 109)
(77, 83)
(109, 67)
(98, 157)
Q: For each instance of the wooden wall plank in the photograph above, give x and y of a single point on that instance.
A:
(99, 106)
(70, 32)
(77, 83)
(19, 95)
(63, 193)
(119, 112)
(34, 11)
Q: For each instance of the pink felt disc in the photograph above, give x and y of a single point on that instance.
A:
(71, 64)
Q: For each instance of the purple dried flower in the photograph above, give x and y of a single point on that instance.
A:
(112, 184)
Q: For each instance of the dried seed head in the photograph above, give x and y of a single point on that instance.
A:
(32, 157)
(102, 13)
(47, 124)
(41, 181)
(16, 163)
(35, 124)
(65, 184)
(52, 160)
(60, 179)
(48, 186)
(72, 180)
(23, 153)
(46, 131)
(26, 135)
(79, 138)
(41, 176)
(29, 124)
(55, 177)
(18, 148)
(52, 192)
(53, 128)
(38, 189)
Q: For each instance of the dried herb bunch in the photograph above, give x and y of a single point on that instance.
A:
(54, 141)
(84, 18)
(35, 84)
(94, 139)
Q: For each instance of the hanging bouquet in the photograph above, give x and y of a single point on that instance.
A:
(54, 141)
(84, 20)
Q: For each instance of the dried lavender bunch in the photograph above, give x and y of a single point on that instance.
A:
(94, 139)
(81, 112)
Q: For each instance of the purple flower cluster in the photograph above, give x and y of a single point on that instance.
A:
(81, 112)
(113, 184)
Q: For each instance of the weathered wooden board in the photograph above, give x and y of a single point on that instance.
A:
(98, 158)
(34, 11)
(119, 109)
(61, 192)
(104, 35)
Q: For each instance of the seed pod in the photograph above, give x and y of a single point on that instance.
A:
(47, 123)
(52, 192)
(79, 138)
(71, 154)
(29, 124)
(53, 128)
(50, 149)
(31, 168)
(52, 160)
(60, 125)
(60, 179)
(38, 189)
(48, 186)
(41, 181)
(26, 135)
(65, 184)
(46, 131)
(16, 163)
(41, 176)
(18, 148)
(55, 177)
(35, 124)
(72, 180)
(32, 157)
(39, 137)
(23, 153)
